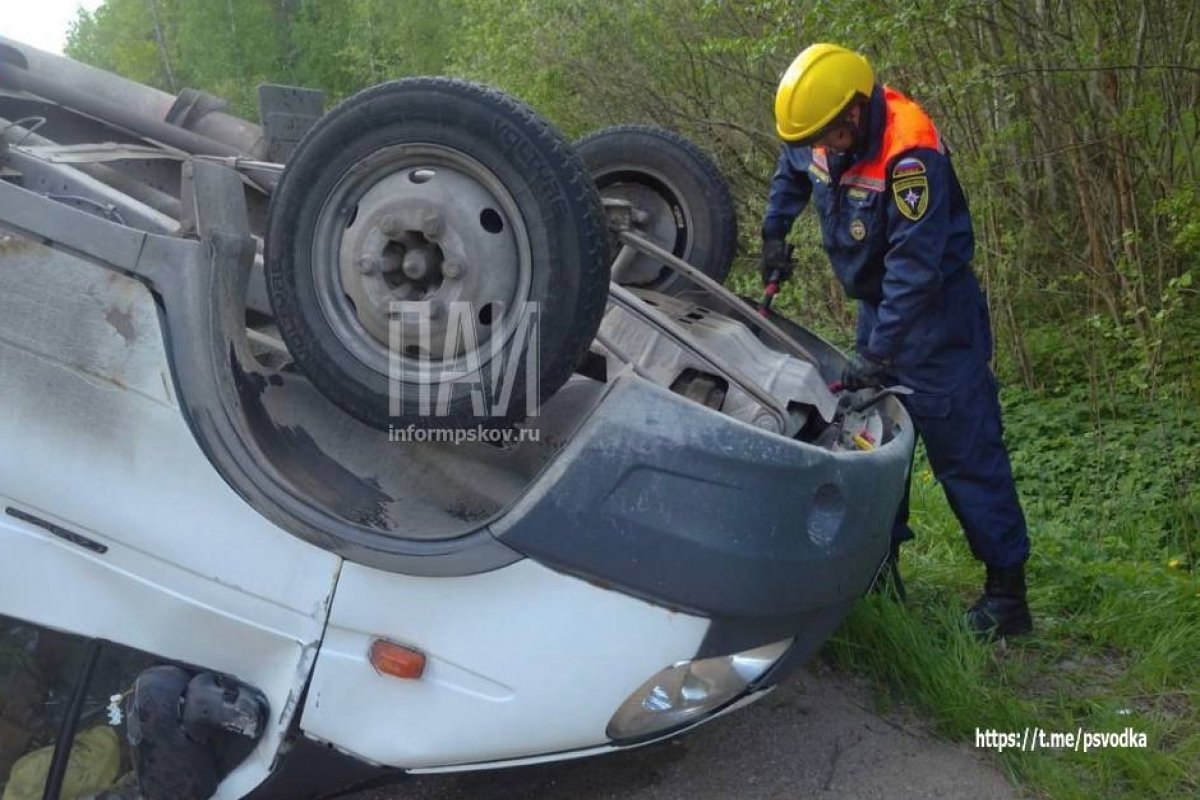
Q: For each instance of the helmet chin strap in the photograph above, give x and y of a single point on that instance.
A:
(860, 134)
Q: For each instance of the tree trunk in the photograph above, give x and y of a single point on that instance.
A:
(160, 40)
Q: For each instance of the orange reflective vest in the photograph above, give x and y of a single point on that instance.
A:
(907, 126)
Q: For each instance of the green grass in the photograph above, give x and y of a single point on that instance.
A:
(1109, 476)
(1111, 501)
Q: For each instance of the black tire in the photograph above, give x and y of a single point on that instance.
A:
(545, 199)
(689, 203)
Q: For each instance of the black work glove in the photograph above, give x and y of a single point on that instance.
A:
(775, 262)
(862, 372)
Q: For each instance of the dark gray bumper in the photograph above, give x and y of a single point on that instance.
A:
(664, 499)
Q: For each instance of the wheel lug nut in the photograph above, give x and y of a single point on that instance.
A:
(389, 225)
(452, 269)
(368, 265)
(431, 226)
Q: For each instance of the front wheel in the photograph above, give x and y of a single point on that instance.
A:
(435, 255)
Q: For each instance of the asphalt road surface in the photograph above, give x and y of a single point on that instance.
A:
(814, 737)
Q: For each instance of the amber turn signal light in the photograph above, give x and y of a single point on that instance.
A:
(396, 660)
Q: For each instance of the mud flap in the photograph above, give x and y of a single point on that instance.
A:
(187, 731)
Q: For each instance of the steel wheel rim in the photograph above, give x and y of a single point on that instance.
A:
(655, 194)
(477, 251)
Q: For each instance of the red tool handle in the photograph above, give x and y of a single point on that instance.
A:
(773, 280)
(768, 296)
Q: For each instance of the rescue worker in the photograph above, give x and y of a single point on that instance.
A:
(896, 227)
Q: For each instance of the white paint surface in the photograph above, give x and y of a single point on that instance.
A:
(93, 441)
(520, 661)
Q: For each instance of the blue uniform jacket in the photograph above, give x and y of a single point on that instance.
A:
(921, 310)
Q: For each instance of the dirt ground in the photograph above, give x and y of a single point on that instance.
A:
(815, 737)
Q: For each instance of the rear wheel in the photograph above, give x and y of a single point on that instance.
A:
(435, 255)
(681, 201)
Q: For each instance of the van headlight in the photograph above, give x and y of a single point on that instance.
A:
(690, 690)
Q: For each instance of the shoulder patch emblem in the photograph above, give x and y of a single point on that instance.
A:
(912, 196)
(910, 188)
(907, 167)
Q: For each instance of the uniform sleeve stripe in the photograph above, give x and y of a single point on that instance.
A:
(863, 182)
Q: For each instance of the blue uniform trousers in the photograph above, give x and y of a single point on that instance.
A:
(963, 438)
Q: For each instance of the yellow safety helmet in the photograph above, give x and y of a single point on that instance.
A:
(817, 87)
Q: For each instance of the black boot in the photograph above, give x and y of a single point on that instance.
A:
(887, 579)
(1001, 609)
